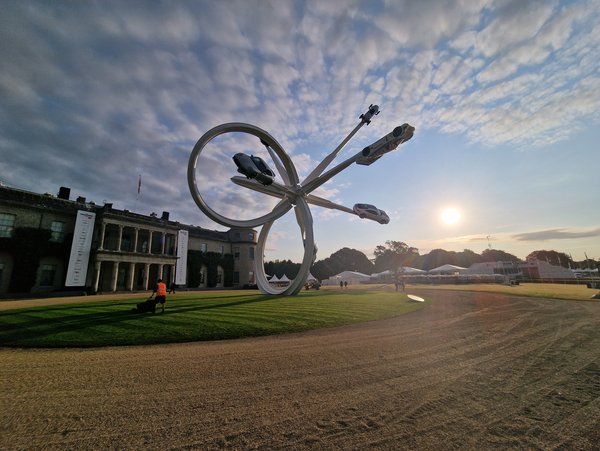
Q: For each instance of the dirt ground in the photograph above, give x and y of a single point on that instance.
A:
(470, 371)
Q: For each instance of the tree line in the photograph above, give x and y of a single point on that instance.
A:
(397, 253)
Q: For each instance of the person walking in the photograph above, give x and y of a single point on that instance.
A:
(161, 293)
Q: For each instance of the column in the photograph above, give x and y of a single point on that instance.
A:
(130, 276)
(115, 276)
(160, 271)
(150, 241)
(120, 238)
(146, 275)
(97, 266)
(173, 273)
(164, 239)
(135, 239)
(102, 232)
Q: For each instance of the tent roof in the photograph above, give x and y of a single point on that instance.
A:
(447, 268)
(349, 274)
(274, 278)
(409, 270)
(382, 273)
(284, 278)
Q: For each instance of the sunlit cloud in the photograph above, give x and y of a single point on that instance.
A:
(557, 234)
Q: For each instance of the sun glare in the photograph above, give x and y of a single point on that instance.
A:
(450, 216)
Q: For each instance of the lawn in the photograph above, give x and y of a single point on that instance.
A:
(539, 290)
(194, 317)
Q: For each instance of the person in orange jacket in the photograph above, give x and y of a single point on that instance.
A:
(161, 293)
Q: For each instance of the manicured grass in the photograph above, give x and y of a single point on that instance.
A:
(538, 290)
(194, 317)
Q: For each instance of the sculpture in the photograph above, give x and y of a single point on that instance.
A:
(292, 193)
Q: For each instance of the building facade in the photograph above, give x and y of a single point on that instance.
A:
(127, 251)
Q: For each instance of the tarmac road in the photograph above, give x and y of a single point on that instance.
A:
(470, 371)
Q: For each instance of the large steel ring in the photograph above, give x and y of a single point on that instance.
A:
(266, 221)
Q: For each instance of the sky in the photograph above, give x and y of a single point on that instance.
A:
(504, 96)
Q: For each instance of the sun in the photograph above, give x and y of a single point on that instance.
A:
(450, 216)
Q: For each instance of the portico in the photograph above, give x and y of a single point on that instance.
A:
(133, 255)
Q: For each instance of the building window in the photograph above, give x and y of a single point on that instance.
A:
(251, 278)
(47, 275)
(236, 235)
(251, 253)
(222, 249)
(251, 236)
(7, 225)
(236, 277)
(203, 247)
(57, 230)
(202, 276)
(236, 252)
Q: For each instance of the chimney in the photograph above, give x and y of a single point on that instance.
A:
(81, 200)
(165, 215)
(64, 193)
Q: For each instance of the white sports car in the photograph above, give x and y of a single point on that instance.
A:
(371, 212)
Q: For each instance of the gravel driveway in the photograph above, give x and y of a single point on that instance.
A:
(471, 371)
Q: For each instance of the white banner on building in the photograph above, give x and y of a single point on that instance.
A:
(80, 249)
(182, 248)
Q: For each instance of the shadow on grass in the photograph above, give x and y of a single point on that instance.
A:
(22, 326)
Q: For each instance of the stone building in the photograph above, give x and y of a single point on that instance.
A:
(127, 251)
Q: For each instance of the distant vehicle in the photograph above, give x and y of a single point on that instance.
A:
(254, 168)
(371, 212)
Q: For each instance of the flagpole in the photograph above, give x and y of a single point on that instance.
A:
(139, 188)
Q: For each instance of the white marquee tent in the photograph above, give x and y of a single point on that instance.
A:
(352, 277)
(448, 270)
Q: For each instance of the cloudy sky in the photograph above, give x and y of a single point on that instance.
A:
(504, 95)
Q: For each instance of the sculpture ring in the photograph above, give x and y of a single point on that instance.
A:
(266, 221)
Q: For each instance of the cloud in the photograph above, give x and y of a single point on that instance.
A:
(557, 234)
(514, 22)
(95, 94)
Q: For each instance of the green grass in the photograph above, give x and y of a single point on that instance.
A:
(194, 317)
(536, 290)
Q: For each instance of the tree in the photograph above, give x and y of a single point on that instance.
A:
(438, 257)
(467, 257)
(494, 255)
(552, 257)
(281, 267)
(393, 255)
(345, 259)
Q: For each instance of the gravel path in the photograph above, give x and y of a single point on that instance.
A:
(471, 371)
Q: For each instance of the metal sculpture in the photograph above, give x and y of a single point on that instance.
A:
(291, 192)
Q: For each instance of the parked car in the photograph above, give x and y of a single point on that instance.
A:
(254, 168)
(371, 212)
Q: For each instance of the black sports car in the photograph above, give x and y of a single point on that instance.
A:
(254, 168)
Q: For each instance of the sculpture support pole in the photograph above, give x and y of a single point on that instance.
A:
(314, 184)
(305, 223)
(329, 158)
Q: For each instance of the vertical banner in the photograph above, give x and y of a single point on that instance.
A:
(80, 249)
(182, 248)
